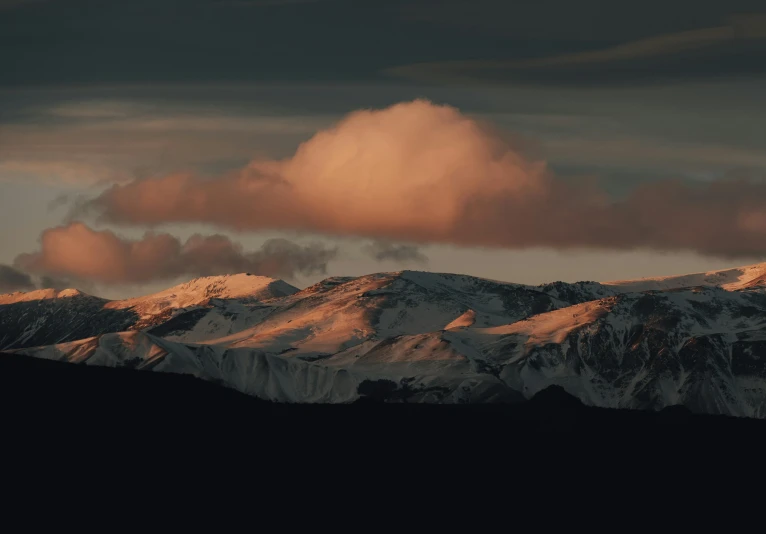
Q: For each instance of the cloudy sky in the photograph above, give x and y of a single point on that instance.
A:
(146, 142)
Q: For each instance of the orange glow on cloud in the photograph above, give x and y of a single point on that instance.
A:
(422, 172)
(78, 252)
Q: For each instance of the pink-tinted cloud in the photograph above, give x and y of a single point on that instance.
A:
(77, 252)
(423, 172)
(411, 166)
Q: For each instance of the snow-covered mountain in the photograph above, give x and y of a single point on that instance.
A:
(48, 316)
(431, 337)
(731, 279)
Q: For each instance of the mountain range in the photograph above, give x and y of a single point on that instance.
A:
(695, 340)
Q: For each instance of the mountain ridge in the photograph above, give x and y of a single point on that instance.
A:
(730, 279)
(439, 338)
(44, 390)
(80, 315)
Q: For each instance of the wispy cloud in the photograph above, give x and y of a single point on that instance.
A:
(82, 143)
(397, 252)
(98, 109)
(741, 29)
(63, 172)
(262, 3)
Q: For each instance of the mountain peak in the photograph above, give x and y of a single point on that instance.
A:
(239, 283)
(201, 290)
(41, 294)
(70, 292)
(430, 337)
(730, 279)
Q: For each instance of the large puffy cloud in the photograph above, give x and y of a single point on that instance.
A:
(408, 168)
(383, 173)
(78, 252)
(422, 172)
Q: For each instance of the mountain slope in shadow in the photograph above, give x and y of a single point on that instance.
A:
(47, 398)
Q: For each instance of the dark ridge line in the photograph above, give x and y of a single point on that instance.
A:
(45, 394)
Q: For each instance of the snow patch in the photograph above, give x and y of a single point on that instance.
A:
(728, 279)
(39, 294)
(554, 326)
(464, 321)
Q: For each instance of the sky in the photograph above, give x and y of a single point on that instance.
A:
(143, 143)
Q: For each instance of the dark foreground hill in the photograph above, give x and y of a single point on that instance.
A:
(55, 399)
(119, 442)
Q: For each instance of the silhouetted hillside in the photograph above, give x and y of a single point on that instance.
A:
(81, 400)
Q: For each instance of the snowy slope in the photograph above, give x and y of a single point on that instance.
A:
(38, 294)
(201, 291)
(451, 338)
(729, 279)
(49, 316)
(328, 318)
(254, 372)
(388, 323)
(701, 348)
(697, 348)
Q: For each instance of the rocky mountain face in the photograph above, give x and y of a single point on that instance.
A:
(46, 317)
(428, 337)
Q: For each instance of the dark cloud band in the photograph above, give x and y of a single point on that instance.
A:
(11, 279)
